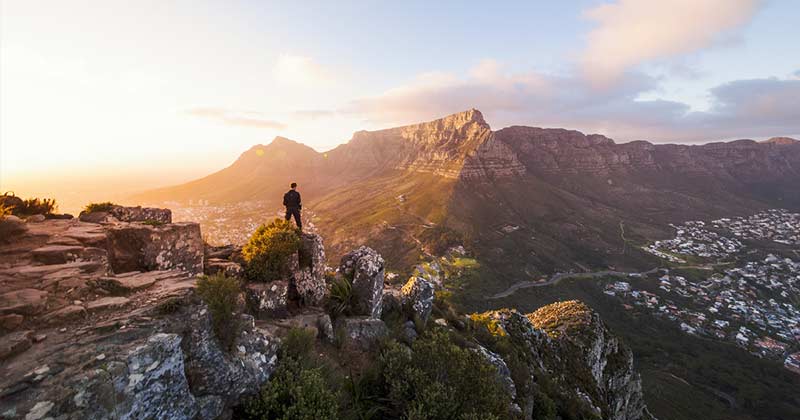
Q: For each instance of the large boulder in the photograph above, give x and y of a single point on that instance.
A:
(308, 279)
(128, 214)
(23, 301)
(366, 269)
(11, 227)
(144, 247)
(360, 333)
(268, 300)
(417, 298)
(224, 267)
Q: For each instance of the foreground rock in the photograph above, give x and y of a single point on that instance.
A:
(418, 298)
(570, 342)
(141, 247)
(360, 332)
(139, 363)
(129, 214)
(366, 269)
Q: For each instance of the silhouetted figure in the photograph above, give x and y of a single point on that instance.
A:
(293, 205)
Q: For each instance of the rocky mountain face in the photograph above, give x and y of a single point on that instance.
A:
(102, 320)
(568, 196)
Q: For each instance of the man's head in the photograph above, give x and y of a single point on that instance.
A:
(294, 185)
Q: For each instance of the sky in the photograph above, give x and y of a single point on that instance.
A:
(115, 96)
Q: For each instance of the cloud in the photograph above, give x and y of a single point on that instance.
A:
(313, 114)
(240, 118)
(300, 70)
(630, 32)
(759, 107)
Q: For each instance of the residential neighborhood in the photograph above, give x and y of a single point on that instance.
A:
(752, 301)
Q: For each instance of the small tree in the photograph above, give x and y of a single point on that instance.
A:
(221, 294)
(269, 249)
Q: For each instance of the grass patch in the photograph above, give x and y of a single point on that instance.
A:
(98, 207)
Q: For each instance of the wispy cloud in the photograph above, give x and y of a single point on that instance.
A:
(241, 118)
(760, 107)
(630, 32)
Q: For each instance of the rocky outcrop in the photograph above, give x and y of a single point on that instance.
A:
(365, 268)
(417, 298)
(568, 342)
(309, 277)
(362, 333)
(118, 213)
(142, 247)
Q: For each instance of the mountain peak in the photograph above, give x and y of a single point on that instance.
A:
(781, 140)
(471, 115)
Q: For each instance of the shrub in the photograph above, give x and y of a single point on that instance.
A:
(298, 389)
(340, 301)
(93, 207)
(438, 378)
(30, 206)
(5, 211)
(221, 294)
(268, 250)
(293, 393)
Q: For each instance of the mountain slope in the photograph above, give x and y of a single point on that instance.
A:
(556, 199)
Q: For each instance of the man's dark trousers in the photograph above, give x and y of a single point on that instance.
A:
(294, 211)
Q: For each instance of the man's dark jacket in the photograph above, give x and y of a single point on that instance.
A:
(292, 200)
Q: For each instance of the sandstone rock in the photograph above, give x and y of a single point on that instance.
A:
(431, 272)
(503, 372)
(268, 300)
(213, 372)
(15, 343)
(156, 386)
(106, 303)
(24, 301)
(361, 332)
(57, 254)
(64, 314)
(366, 268)
(130, 282)
(309, 278)
(11, 227)
(142, 214)
(97, 217)
(10, 322)
(219, 266)
(325, 327)
(36, 218)
(418, 298)
(140, 247)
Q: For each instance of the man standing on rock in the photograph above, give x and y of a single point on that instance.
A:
(293, 205)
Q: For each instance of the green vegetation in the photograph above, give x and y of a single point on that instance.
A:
(27, 207)
(341, 298)
(221, 294)
(299, 389)
(683, 376)
(438, 379)
(268, 250)
(561, 317)
(96, 207)
(440, 238)
(5, 211)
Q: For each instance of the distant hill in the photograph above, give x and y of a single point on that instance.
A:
(527, 200)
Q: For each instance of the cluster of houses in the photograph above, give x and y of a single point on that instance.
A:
(752, 306)
(755, 304)
(776, 225)
(228, 223)
(694, 238)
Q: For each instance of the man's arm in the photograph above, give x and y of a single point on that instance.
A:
(299, 202)
(284, 198)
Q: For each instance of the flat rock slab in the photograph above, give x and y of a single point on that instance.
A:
(107, 302)
(24, 301)
(65, 314)
(129, 282)
(15, 343)
(57, 254)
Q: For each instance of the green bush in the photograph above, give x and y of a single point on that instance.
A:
(4, 211)
(221, 294)
(268, 250)
(29, 207)
(438, 378)
(340, 301)
(293, 393)
(93, 207)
